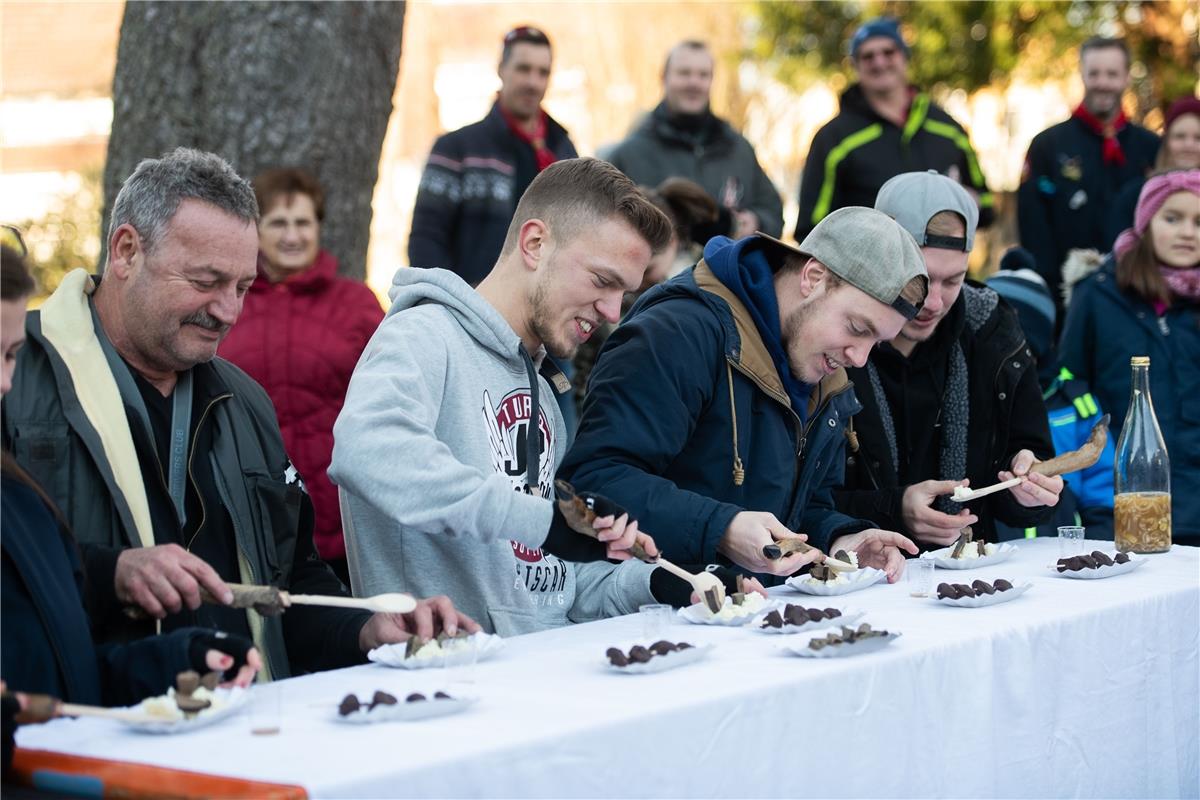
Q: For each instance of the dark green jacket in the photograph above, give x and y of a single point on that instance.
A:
(717, 157)
(857, 151)
(54, 440)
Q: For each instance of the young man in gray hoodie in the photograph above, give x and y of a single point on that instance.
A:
(444, 481)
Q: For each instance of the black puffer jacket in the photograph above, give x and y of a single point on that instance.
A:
(857, 151)
(1006, 414)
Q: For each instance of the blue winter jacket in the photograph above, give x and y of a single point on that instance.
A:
(1104, 328)
(661, 434)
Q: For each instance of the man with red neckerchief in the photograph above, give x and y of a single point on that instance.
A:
(1074, 169)
(476, 174)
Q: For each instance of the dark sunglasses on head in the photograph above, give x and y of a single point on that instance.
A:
(526, 33)
(11, 236)
(886, 54)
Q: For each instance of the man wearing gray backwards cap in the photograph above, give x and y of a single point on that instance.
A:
(955, 395)
(716, 412)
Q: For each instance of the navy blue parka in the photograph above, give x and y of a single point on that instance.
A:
(685, 394)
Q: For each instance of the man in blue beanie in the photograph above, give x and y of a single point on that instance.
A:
(886, 126)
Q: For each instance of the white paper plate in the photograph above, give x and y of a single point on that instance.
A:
(941, 558)
(231, 701)
(859, 579)
(979, 601)
(404, 711)
(485, 644)
(676, 658)
(798, 646)
(1087, 574)
(698, 613)
(846, 618)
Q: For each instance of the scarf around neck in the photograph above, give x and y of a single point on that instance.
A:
(537, 140)
(1113, 154)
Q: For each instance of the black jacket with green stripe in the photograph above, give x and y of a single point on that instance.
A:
(857, 151)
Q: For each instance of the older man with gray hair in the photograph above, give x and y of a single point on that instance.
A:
(167, 462)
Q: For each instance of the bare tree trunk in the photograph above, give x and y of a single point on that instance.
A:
(263, 84)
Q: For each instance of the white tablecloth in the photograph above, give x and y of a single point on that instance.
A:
(1078, 688)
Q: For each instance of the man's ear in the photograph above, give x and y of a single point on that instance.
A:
(125, 250)
(533, 242)
(812, 274)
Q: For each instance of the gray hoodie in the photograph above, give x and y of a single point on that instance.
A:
(429, 457)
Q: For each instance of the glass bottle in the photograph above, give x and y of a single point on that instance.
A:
(1142, 480)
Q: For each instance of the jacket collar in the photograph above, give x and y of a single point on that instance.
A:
(749, 353)
(555, 132)
(314, 279)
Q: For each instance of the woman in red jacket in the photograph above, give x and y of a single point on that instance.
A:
(300, 334)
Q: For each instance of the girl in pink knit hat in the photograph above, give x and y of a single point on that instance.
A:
(1144, 300)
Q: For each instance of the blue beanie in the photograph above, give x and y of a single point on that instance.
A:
(1026, 292)
(880, 26)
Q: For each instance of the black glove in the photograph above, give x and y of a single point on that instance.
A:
(564, 542)
(232, 645)
(9, 708)
(667, 588)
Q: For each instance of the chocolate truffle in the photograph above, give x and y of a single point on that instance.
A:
(1002, 585)
(661, 648)
(947, 591)
(441, 696)
(616, 657)
(683, 646)
(964, 590)
(772, 619)
(815, 614)
(1102, 558)
(383, 699)
(349, 705)
(830, 613)
(415, 697)
(983, 587)
(1121, 558)
(639, 654)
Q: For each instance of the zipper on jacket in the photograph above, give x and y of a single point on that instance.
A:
(191, 475)
(995, 381)
(247, 568)
(802, 430)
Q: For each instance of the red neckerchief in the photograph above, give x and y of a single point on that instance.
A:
(1113, 154)
(537, 140)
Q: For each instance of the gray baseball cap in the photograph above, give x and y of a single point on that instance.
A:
(913, 198)
(868, 250)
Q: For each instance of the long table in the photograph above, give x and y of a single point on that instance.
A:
(1077, 688)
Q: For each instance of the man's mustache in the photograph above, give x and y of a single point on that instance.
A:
(205, 320)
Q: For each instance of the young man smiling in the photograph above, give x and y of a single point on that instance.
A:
(448, 442)
(954, 395)
(716, 411)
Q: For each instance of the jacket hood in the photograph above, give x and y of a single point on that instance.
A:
(417, 286)
(746, 269)
(1077, 266)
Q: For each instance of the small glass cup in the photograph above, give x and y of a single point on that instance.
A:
(266, 708)
(918, 574)
(1070, 541)
(655, 619)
